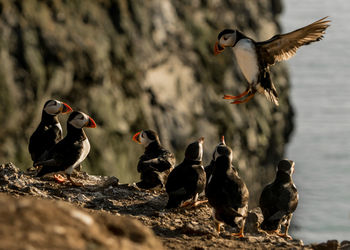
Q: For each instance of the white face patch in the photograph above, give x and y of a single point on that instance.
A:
(144, 139)
(228, 40)
(79, 120)
(247, 60)
(53, 107)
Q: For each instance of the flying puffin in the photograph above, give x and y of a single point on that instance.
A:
(227, 192)
(255, 58)
(188, 179)
(72, 150)
(156, 162)
(49, 131)
(279, 200)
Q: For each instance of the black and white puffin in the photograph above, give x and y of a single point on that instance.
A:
(279, 200)
(49, 131)
(188, 179)
(72, 150)
(209, 169)
(227, 192)
(255, 58)
(156, 162)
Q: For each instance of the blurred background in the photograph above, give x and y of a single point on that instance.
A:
(134, 65)
(320, 145)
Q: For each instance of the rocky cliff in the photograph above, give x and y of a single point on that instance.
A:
(35, 214)
(133, 65)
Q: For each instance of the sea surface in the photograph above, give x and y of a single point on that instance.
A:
(320, 145)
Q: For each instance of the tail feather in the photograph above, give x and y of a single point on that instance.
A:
(271, 95)
(269, 89)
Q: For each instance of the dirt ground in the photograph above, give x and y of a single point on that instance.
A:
(111, 206)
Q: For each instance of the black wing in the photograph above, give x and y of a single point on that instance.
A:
(284, 46)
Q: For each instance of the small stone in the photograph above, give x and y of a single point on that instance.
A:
(329, 245)
(111, 181)
(345, 244)
(253, 220)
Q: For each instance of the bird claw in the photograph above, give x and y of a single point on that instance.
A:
(285, 236)
(239, 235)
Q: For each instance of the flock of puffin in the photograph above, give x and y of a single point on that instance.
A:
(226, 192)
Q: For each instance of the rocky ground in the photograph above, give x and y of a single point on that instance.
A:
(36, 214)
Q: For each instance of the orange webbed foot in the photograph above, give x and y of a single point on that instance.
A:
(244, 101)
(59, 178)
(230, 97)
(287, 236)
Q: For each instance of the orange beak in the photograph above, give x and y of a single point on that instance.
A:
(218, 49)
(136, 137)
(91, 123)
(66, 108)
(222, 140)
(201, 140)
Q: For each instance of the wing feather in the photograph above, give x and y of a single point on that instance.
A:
(283, 46)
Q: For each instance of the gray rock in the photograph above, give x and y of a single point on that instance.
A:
(253, 220)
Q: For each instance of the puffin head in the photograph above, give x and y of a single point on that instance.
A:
(286, 166)
(222, 150)
(54, 107)
(221, 143)
(80, 120)
(226, 38)
(194, 151)
(145, 137)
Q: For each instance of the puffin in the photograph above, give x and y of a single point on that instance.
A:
(188, 179)
(279, 200)
(227, 193)
(49, 130)
(255, 58)
(156, 162)
(209, 169)
(72, 150)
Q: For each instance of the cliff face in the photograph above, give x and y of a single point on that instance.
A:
(134, 65)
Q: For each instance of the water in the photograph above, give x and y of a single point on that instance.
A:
(320, 76)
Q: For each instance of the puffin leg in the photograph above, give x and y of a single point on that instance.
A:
(230, 97)
(197, 203)
(285, 234)
(245, 100)
(240, 234)
(59, 178)
(186, 204)
(77, 184)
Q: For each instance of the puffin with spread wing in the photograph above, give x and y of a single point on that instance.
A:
(255, 58)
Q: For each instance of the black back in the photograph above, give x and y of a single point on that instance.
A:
(188, 178)
(47, 134)
(277, 200)
(66, 152)
(226, 191)
(155, 165)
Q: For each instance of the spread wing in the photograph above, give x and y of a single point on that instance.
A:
(284, 46)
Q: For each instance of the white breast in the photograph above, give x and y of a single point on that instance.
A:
(247, 59)
(59, 126)
(84, 153)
